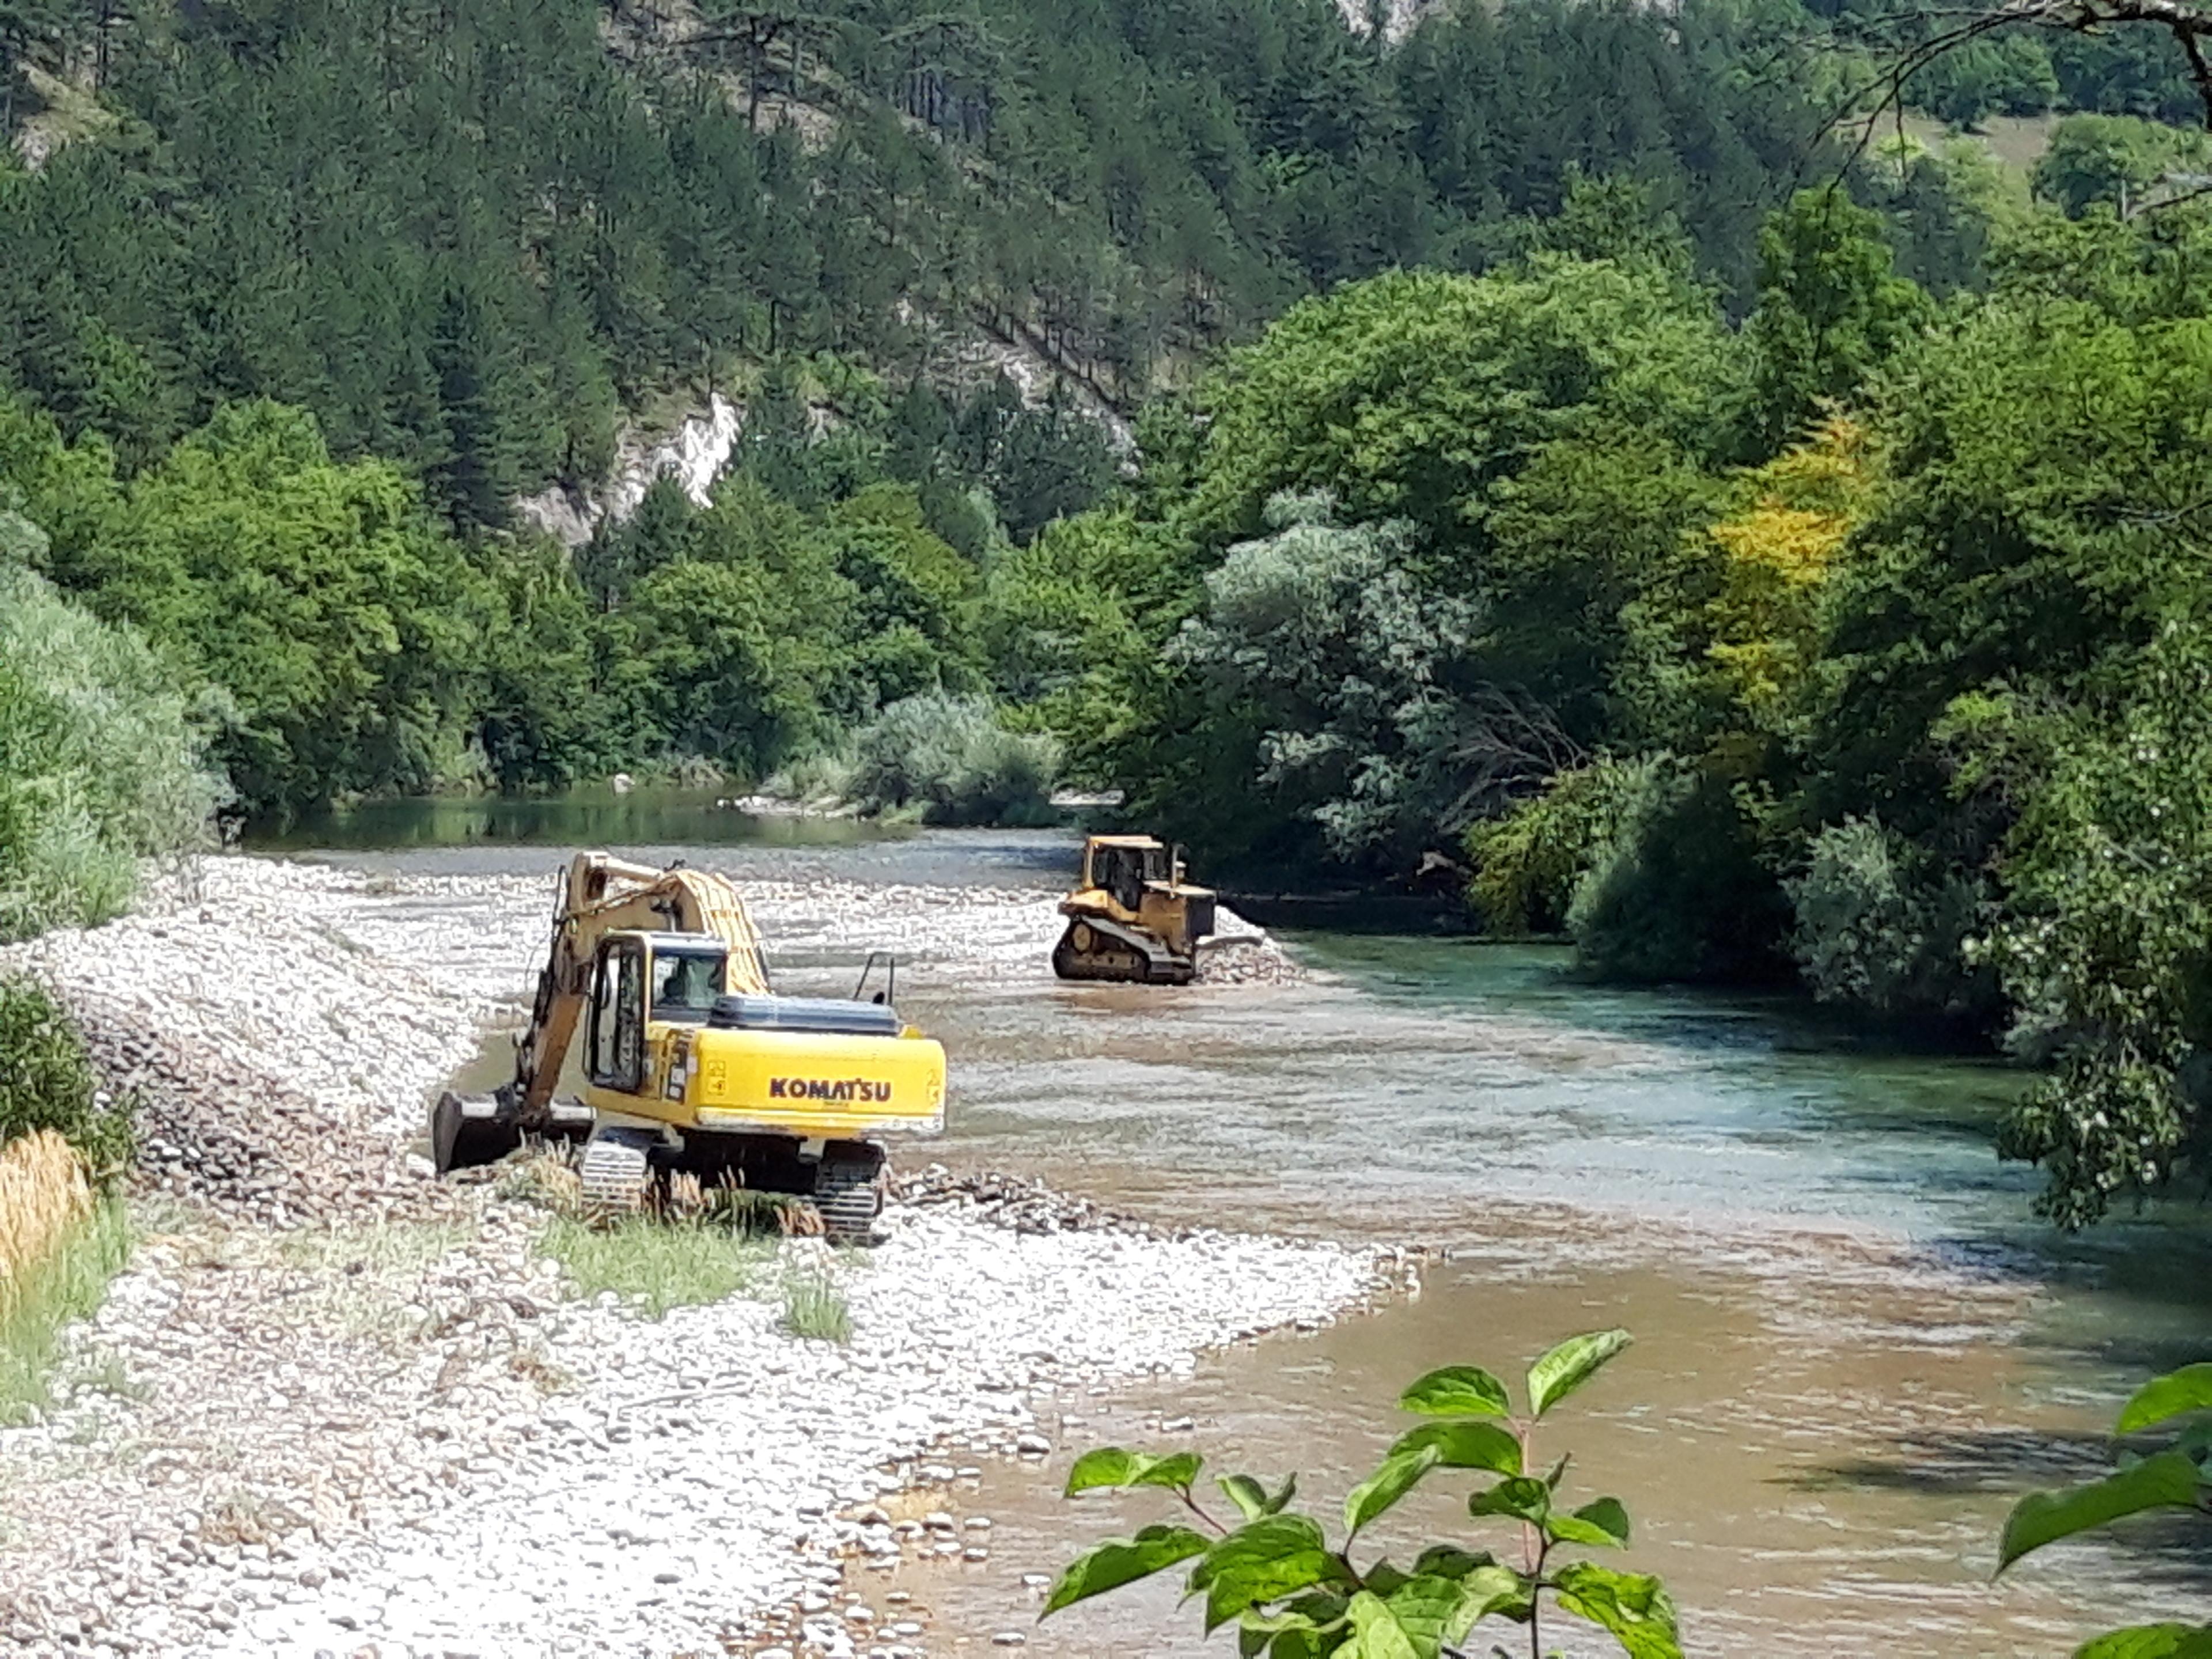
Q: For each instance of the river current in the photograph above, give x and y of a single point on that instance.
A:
(1854, 1345)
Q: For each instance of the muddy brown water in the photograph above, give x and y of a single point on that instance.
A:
(1854, 1344)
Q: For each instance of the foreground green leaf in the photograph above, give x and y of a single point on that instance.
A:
(1376, 1633)
(1119, 1561)
(1568, 1366)
(2150, 1642)
(2169, 1481)
(1457, 1391)
(1397, 1474)
(1602, 1525)
(1261, 1562)
(2163, 1398)
(1111, 1466)
(1634, 1606)
(1252, 1499)
(1522, 1498)
(1465, 1445)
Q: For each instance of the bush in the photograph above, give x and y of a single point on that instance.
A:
(46, 1081)
(99, 760)
(1679, 893)
(949, 757)
(1873, 935)
(1528, 864)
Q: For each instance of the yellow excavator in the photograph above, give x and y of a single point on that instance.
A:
(692, 1065)
(1132, 916)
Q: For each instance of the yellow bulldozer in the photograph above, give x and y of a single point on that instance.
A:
(1132, 917)
(690, 1065)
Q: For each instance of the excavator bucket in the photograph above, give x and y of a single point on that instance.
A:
(469, 1131)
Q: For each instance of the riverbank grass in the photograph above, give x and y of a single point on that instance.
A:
(813, 1307)
(46, 1291)
(657, 1264)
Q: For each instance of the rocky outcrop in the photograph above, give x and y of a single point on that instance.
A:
(696, 455)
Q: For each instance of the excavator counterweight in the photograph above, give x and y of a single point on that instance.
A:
(689, 1062)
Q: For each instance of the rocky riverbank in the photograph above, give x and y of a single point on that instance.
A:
(335, 1406)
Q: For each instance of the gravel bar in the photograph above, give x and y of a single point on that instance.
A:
(337, 1407)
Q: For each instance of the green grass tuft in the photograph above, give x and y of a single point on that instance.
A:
(657, 1265)
(67, 1283)
(814, 1307)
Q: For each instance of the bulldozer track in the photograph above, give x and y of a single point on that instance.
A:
(615, 1172)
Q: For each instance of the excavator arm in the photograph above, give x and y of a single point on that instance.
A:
(600, 895)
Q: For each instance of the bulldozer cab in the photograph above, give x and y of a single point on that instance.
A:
(1123, 864)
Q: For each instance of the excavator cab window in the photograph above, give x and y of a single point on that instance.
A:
(685, 983)
(618, 1035)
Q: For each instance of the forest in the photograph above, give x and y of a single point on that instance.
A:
(1570, 467)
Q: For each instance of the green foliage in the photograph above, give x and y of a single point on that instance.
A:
(1830, 310)
(1411, 395)
(46, 1081)
(653, 1263)
(1528, 863)
(1682, 891)
(949, 758)
(814, 1308)
(2174, 1478)
(1874, 935)
(467, 236)
(99, 760)
(2002, 74)
(2112, 159)
(1293, 1596)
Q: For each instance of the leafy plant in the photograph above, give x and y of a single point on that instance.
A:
(1292, 1595)
(2173, 1477)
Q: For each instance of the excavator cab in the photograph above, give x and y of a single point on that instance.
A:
(1132, 916)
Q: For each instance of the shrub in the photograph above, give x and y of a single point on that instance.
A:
(950, 758)
(46, 1081)
(1874, 935)
(99, 760)
(1679, 892)
(1527, 864)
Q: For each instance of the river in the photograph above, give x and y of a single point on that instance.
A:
(1854, 1345)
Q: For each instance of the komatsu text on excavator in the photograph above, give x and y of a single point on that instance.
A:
(692, 1065)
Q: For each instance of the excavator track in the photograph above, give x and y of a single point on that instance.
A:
(848, 1192)
(1097, 950)
(616, 1172)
